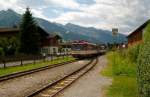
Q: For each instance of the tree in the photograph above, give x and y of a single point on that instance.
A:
(1, 51)
(144, 65)
(29, 36)
(8, 46)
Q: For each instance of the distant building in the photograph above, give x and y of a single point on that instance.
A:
(136, 36)
(9, 32)
(77, 45)
(49, 42)
(14, 32)
(66, 47)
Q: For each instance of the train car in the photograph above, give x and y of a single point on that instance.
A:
(85, 49)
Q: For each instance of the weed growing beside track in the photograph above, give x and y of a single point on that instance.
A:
(123, 72)
(10, 70)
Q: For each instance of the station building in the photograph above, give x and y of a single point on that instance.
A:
(51, 45)
(136, 36)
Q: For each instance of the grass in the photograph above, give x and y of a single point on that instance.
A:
(123, 86)
(10, 70)
(123, 73)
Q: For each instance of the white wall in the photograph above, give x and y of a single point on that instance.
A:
(49, 50)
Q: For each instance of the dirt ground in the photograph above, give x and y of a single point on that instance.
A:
(90, 85)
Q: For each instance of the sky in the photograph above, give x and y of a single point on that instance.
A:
(126, 15)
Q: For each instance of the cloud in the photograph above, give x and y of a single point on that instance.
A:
(20, 6)
(63, 3)
(106, 14)
(8, 4)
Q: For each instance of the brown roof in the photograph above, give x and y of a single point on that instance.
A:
(67, 43)
(3, 30)
(54, 35)
(41, 30)
(140, 28)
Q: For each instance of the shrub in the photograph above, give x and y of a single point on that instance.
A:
(144, 65)
(1, 51)
(8, 45)
(132, 53)
(122, 65)
(123, 72)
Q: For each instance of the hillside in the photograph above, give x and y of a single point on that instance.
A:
(9, 18)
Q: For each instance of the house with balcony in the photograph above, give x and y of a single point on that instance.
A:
(51, 44)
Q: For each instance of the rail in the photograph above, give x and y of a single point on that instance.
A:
(52, 89)
(19, 74)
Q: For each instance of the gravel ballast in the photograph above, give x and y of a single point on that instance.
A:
(20, 87)
(91, 84)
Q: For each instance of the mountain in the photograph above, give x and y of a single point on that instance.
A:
(99, 34)
(9, 18)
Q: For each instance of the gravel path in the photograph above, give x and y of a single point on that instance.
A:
(21, 86)
(91, 84)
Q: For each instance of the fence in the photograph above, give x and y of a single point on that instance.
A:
(7, 61)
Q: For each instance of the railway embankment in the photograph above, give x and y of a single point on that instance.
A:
(22, 86)
(15, 69)
(53, 89)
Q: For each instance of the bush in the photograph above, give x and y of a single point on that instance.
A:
(1, 52)
(123, 72)
(121, 65)
(132, 53)
(144, 65)
(8, 46)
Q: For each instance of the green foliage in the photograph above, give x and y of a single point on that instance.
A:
(123, 86)
(121, 65)
(144, 65)
(123, 72)
(1, 51)
(29, 37)
(8, 45)
(132, 53)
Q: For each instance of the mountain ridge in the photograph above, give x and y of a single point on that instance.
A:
(70, 31)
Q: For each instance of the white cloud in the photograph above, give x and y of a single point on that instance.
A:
(106, 14)
(20, 6)
(63, 3)
(5, 5)
(11, 4)
(39, 14)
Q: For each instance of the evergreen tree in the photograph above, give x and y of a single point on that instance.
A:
(29, 36)
(144, 65)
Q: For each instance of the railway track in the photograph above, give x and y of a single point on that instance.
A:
(19, 74)
(56, 87)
